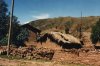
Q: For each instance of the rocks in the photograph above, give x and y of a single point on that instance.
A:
(31, 53)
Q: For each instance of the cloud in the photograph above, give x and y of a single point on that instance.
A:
(41, 16)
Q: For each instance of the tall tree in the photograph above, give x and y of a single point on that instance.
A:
(18, 34)
(3, 18)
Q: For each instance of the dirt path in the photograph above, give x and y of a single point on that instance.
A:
(6, 62)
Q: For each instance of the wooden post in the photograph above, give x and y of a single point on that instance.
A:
(10, 26)
(80, 36)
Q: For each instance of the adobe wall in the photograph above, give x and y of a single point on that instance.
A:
(49, 44)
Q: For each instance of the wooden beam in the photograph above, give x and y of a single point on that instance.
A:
(10, 27)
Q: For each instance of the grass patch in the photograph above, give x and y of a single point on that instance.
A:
(10, 57)
(18, 58)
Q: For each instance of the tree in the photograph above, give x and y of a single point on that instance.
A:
(18, 34)
(4, 22)
(95, 36)
(3, 18)
(20, 37)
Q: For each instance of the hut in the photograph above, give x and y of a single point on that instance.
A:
(64, 40)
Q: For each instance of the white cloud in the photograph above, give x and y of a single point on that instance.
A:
(27, 21)
(41, 16)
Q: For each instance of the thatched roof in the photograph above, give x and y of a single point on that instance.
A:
(65, 38)
(33, 29)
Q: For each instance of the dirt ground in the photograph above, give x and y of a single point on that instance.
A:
(6, 62)
(90, 58)
(60, 58)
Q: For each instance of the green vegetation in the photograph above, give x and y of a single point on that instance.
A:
(19, 39)
(3, 41)
(17, 31)
(3, 19)
(95, 36)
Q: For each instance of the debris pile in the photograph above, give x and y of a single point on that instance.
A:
(32, 53)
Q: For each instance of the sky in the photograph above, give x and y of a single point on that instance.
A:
(29, 10)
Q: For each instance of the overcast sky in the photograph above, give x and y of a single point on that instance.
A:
(28, 10)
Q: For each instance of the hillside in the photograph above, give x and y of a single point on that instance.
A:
(60, 23)
(66, 24)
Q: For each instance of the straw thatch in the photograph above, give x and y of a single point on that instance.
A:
(64, 40)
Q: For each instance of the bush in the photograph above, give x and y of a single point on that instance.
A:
(19, 39)
(4, 41)
(95, 36)
(16, 39)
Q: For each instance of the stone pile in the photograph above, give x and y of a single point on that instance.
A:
(32, 53)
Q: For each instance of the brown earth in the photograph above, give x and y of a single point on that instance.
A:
(6, 62)
(89, 57)
(60, 58)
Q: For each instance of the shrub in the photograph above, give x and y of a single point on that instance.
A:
(95, 36)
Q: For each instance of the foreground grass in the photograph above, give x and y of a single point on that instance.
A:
(18, 58)
(10, 57)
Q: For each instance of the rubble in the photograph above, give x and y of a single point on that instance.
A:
(32, 53)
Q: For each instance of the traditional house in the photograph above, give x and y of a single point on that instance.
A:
(63, 40)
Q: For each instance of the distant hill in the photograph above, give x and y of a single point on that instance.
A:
(60, 23)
